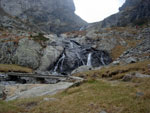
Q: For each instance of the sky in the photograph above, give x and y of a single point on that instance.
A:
(96, 10)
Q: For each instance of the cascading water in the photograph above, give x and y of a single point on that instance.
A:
(102, 59)
(61, 60)
(80, 58)
(89, 59)
(76, 55)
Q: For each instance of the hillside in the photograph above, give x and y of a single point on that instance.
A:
(48, 65)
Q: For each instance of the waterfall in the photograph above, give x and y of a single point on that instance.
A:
(102, 59)
(60, 60)
(71, 44)
(80, 58)
(89, 59)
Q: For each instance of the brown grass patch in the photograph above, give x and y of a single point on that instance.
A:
(14, 68)
(117, 51)
(116, 72)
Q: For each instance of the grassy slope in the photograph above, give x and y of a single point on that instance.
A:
(93, 95)
(117, 72)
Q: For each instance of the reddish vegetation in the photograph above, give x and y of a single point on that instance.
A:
(76, 33)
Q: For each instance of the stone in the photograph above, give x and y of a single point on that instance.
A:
(131, 60)
(50, 99)
(116, 62)
(28, 53)
(51, 54)
(139, 94)
(102, 111)
(1, 91)
(81, 69)
(130, 76)
(51, 81)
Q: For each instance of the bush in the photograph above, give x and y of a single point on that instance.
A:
(39, 37)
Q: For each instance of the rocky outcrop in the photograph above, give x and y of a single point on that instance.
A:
(76, 55)
(27, 53)
(133, 12)
(51, 54)
(47, 15)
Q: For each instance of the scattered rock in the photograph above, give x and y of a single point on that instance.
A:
(139, 94)
(103, 112)
(81, 69)
(131, 60)
(116, 62)
(1, 91)
(130, 76)
(50, 99)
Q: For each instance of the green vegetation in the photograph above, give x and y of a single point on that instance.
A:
(14, 68)
(40, 37)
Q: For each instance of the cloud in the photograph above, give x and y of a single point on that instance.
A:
(96, 10)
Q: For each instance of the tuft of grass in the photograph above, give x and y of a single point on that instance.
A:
(117, 51)
(14, 68)
(40, 37)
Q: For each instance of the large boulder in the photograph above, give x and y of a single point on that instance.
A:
(51, 54)
(27, 53)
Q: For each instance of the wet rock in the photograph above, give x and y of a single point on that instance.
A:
(76, 55)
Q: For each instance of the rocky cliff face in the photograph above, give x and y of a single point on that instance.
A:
(133, 12)
(48, 15)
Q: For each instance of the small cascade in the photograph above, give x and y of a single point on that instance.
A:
(71, 44)
(102, 59)
(80, 58)
(89, 59)
(76, 55)
(61, 60)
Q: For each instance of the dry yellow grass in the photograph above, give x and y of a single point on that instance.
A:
(14, 68)
(117, 51)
